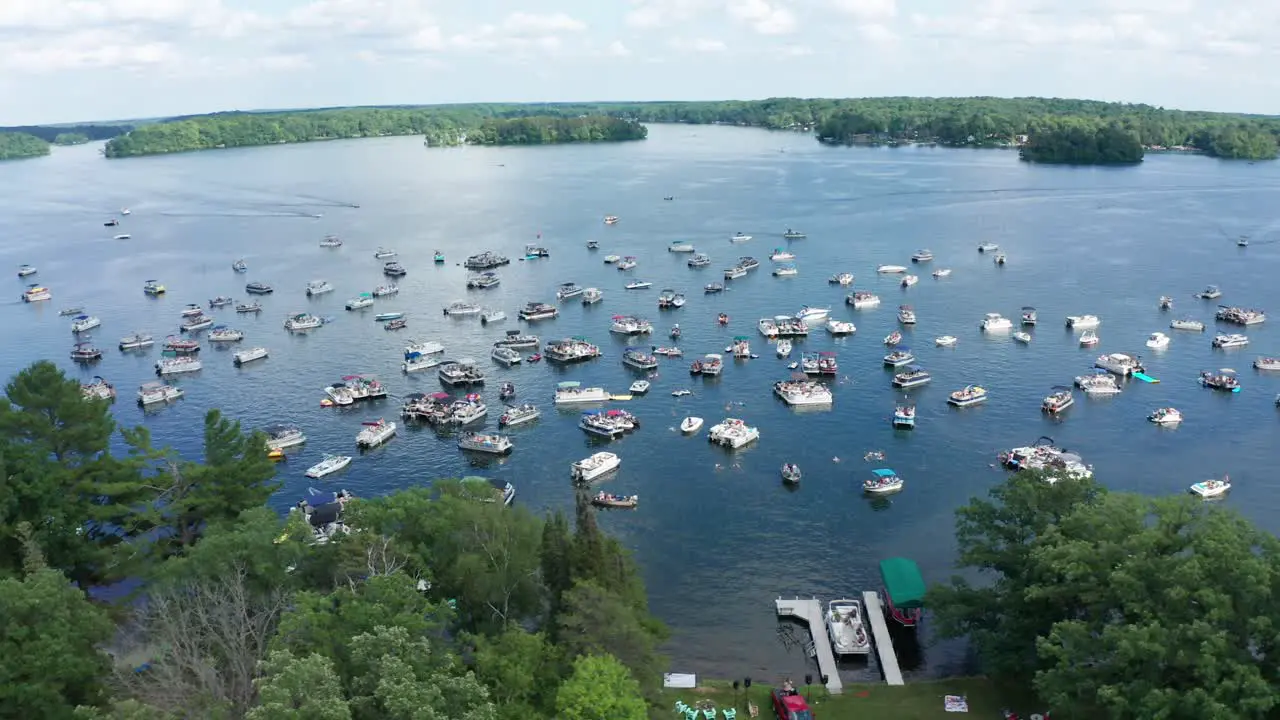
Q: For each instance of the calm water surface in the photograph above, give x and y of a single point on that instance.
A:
(718, 535)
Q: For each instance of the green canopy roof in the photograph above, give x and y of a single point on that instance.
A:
(903, 582)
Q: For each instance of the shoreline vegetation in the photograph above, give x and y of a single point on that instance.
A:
(1048, 130)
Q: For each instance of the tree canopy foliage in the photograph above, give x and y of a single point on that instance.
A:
(92, 131)
(70, 138)
(15, 145)
(441, 604)
(1083, 143)
(1120, 606)
(975, 121)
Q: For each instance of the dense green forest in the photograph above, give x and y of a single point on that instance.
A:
(70, 138)
(549, 130)
(1083, 143)
(440, 604)
(14, 145)
(981, 122)
(50, 133)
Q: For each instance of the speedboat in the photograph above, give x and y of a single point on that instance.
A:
(735, 272)
(1083, 322)
(240, 266)
(988, 247)
(242, 357)
(628, 263)
(300, 321)
(382, 253)
(638, 285)
(995, 322)
(222, 333)
(590, 468)
(846, 629)
(330, 241)
(363, 300)
(611, 500)
(942, 272)
(793, 235)
(1165, 416)
(781, 254)
(73, 310)
(906, 315)
(591, 296)
(506, 356)
(1000, 259)
(885, 481)
(612, 259)
(667, 299)
(318, 287)
(1158, 341)
(812, 314)
(1029, 315)
(968, 395)
(891, 269)
(690, 425)
(893, 338)
(1059, 398)
(1267, 363)
(784, 348)
(739, 237)
(899, 356)
(153, 287)
(1120, 364)
(593, 244)
(1230, 340)
(122, 236)
(84, 323)
(1099, 383)
(922, 256)
(518, 415)
(909, 280)
(640, 387)
(492, 316)
(712, 288)
(790, 473)
(819, 363)
(157, 392)
(568, 290)
(1022, 337)
(862, 299)
(610, 219)
(253, 307)
(699, 260)
(137, 340)
(945, 341)
(1207, 489)
(26, 270)
(460, 308)
(1211, 292)
(841, 327)
(375, 433)
(845, 279)
(328, 466)
(1187, 324)
(787, 270)
(1166, 302)
(680, 246)
(1088, 339)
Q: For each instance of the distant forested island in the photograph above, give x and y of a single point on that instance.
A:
(15, 145)
(1046, 129)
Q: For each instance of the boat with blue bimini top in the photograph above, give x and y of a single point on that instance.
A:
(885, 481)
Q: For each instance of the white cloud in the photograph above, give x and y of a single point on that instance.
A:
(763, 17)
(651, 14)
(701, 45)
(526, 24)
(80, 51)
(617, 49)
(867, 9)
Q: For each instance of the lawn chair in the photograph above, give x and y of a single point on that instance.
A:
(691, 713)
(709, 713)
(681, 707)
(753, 710)
(730, 714)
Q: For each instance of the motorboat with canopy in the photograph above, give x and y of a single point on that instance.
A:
(904, 590)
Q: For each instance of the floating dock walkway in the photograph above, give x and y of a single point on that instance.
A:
(810, 611)
(874, 613)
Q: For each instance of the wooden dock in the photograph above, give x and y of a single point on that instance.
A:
(810, 611)
(884, 644)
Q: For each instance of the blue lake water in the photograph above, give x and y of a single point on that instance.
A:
(718, 535)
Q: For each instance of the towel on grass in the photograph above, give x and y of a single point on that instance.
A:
(955, 703)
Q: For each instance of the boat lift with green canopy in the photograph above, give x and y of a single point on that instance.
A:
(904, 590)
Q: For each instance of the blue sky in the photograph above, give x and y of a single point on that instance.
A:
(67, 60)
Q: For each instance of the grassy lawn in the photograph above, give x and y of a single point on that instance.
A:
(913, 701)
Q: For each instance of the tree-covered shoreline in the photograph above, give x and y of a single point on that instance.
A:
(975, 122)
(14, 146)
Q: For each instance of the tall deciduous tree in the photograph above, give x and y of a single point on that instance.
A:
(600, 688)
(521, 670)
(299, 688)
(397, 676)
(50, 635)
(597, 621)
